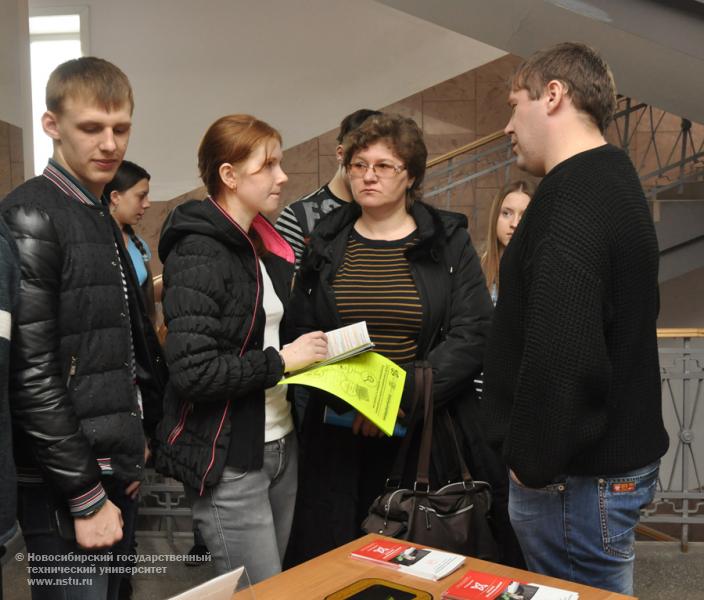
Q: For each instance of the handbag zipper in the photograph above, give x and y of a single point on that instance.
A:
(427, 510)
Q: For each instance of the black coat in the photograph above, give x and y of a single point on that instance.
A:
(456, 305)
(341, 473)
(9, 285)
(71, 383)
(214, 404)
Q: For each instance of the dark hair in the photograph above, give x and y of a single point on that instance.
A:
(406, 140)
(128, 175)
(92, 77)
(231, 139)
(588, 78)
(353, 121)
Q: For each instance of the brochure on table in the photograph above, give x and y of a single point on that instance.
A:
(410, 559)
(368, 382)
(477, 585)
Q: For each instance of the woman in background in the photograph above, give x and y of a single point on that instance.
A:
(506, 212)
(507, 209)
(128, 194)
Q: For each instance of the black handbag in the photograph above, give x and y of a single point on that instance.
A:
(453, 518)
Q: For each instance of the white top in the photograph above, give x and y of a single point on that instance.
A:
(278, 421)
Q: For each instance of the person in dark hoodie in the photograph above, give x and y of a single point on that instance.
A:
(9, 282)
(227, 433)
(411, 273)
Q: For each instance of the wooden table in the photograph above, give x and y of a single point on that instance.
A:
(334, 570)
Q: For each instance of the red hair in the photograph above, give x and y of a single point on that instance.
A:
(231, 139)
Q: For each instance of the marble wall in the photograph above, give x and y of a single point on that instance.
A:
(11, 158)
(451, 114)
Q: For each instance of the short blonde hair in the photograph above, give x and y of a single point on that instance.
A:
(91, 78)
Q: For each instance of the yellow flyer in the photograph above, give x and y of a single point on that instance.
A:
(369, 383)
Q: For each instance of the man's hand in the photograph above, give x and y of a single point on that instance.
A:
(102, 529)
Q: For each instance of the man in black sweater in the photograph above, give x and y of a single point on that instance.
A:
(571, 369)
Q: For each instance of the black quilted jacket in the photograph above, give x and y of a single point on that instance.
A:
(71, 385)
(214, 404)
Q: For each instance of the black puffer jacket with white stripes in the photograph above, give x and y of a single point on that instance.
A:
(71, 384)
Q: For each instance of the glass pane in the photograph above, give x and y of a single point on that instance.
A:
(46, 56)
(55, 24)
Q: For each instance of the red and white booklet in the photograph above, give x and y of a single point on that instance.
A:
(414, 560)
(476, 585)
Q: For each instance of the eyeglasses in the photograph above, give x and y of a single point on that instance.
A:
(382, 170)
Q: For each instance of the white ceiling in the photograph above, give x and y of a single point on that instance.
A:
(655, 47)
(300, 65)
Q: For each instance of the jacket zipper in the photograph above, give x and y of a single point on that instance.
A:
(71, 370)
(244, 344)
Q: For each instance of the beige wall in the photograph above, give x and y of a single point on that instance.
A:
(451, 114)
(11, 158)
(15, 98)
(297, 65)
(682, 301)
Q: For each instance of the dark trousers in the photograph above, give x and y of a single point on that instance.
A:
(340, 474)
(61, 569)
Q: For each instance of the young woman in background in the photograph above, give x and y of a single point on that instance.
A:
(128, 194)
(507, 209)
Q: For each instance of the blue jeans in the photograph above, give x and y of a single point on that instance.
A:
(246, 518)
(74, 573)
(583, 528)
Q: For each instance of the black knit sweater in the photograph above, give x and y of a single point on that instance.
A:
(572, 384)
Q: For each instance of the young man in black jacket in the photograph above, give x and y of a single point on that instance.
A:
(85, 372)
(572, 384)
(9, 284)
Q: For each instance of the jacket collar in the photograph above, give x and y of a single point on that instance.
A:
(434, 227)
(68, 184)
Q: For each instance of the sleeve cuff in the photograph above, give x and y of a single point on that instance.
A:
(275, 365)
(88, 503)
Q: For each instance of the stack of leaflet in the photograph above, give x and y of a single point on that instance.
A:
(476, 585)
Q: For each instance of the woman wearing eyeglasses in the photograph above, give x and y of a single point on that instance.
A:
(411, 273)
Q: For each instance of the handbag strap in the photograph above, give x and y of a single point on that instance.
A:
(464, 470)
(396, 476)
(423, 396)
(426, 441)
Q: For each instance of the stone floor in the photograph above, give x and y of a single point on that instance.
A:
(662, 572)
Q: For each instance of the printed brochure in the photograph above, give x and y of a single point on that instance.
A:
(343, 343)
(410, 559)
(476, 585)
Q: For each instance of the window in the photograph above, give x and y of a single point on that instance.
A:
(54, 37)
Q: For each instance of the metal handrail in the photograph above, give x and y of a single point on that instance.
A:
(681, 333)
(492, 137)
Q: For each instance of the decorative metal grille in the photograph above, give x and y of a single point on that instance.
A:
(679, 499)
